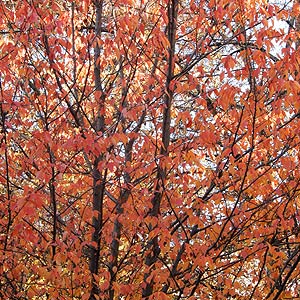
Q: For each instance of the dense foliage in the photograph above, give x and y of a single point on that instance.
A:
(149, 149)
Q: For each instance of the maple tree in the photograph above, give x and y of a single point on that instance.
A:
(149, 149)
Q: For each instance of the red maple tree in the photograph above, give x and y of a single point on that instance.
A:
(150, 149)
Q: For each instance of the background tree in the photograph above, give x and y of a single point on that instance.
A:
(150, 149)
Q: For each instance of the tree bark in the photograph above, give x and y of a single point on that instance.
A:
(152, 257)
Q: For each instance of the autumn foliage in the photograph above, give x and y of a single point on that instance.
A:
(149, 149)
